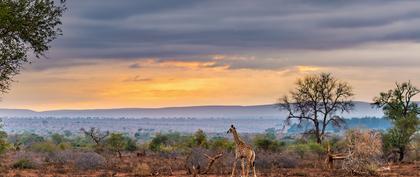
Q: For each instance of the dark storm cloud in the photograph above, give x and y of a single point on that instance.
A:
(190, 29)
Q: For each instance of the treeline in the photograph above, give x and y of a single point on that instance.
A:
(372, 123)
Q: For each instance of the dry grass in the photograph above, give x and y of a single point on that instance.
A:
(270, 164)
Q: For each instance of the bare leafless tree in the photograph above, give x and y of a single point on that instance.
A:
(320, 99)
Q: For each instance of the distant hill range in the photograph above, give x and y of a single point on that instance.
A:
(362, 109)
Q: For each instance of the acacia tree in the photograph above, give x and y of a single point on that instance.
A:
(318, 99)
(95, 135)
(398, 107)
(116, 142)
(26, 28)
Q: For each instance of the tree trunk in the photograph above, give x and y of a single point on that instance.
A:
(402, 153)
(318, 139)
(317, 133)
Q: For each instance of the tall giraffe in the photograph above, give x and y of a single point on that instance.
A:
(244, 152)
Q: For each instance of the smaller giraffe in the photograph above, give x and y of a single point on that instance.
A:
(244, 152)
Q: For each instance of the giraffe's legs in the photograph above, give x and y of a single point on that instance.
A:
(247, 167)
(234, 167)
(252, 164)
(253, 169)
(243, 167)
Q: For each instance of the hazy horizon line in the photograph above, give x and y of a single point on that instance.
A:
(159, 107)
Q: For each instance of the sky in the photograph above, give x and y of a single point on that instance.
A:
(159, 53)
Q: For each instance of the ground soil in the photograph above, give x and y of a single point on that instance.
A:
(123, 168)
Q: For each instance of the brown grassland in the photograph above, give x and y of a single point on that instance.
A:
(67, 163)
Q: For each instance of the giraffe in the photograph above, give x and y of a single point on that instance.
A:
(244, 152)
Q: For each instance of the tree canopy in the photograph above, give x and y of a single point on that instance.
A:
(399, 107)
(26, 28)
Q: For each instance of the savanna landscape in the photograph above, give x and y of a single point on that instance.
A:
(209, 88)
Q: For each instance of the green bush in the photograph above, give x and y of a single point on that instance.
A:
(130, 145)
(4, 145)
(157, 142)
(200, 138)
(316, 148)
(116, 142)
(81, 142)
(47, 147)
(300, 149)
(27, 139)
(23, 164)
(220, 144)
(170, 142)
(64, 146)
(268, 142)
(57, 138)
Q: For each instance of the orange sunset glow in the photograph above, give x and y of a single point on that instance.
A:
(152, 83)
(168, 58)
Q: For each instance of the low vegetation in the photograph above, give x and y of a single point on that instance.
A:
(175, 153)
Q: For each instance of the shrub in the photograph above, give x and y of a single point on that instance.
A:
(200, 138)
(269, 160)
(81, 142)
(170, 142)
(57, 138)
(157, 142)
(23, 164)
(221, 144)
(415, 144)
(3, 142)
(89, 160)
(142, 169)
(130, 145)
(46, 147)
(316, 148)
(116, 143)
(61, 157)
(268, 143)
(300, 149)
(64, 146)
(27, 139)
(365, 150)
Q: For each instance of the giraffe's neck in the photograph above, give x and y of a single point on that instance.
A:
(237, 138)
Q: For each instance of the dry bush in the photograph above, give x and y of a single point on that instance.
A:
(268, 161)
(24, 164)
(142, 169)
(364, 150)
(195, 161)
(202, 161)
(28, 158)
(161, 164)
(265, 162)
(89, 160)
(413, 153)
(223, 165)
(62, 157)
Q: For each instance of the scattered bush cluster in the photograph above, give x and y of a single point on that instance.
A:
(364, 148)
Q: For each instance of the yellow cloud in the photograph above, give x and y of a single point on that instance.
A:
(304, 69)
